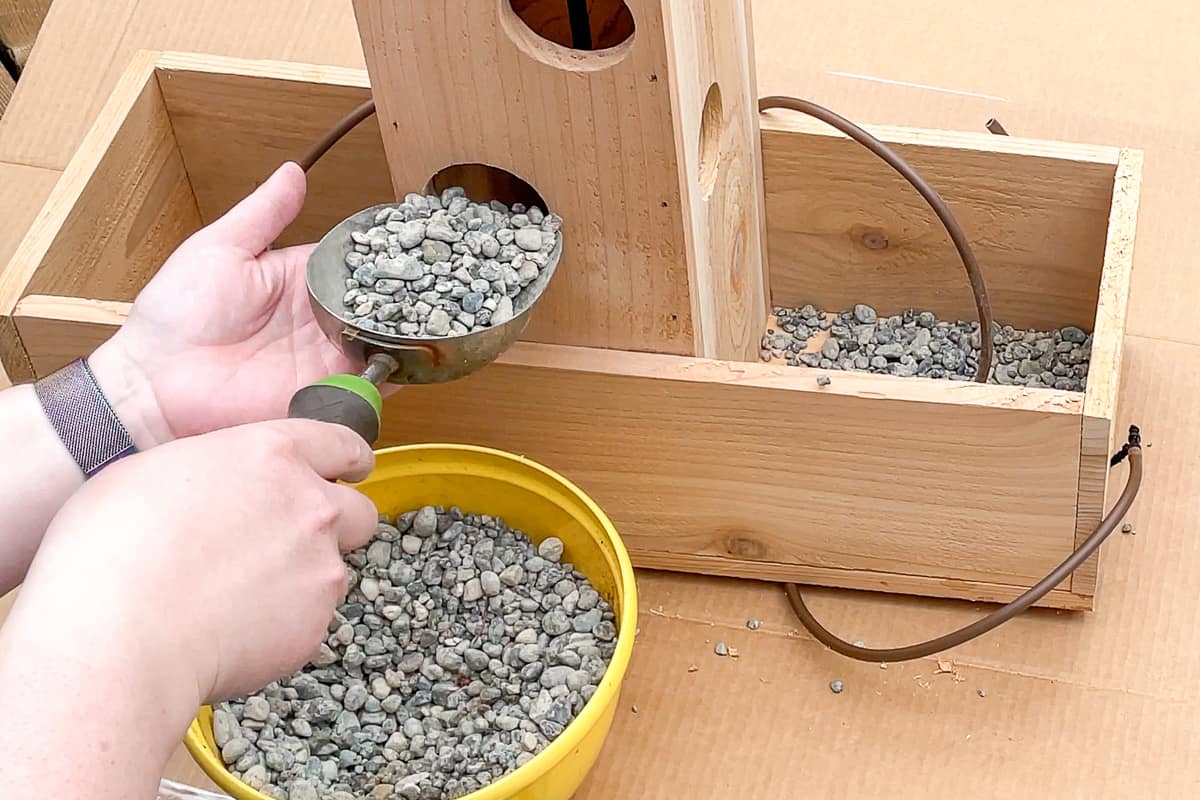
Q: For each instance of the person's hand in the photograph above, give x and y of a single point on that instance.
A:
(224, 333)
(215, 558)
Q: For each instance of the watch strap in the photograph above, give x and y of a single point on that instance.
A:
(83, 418)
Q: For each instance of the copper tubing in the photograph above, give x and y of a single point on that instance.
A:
(1001, 615)
(957, 236)
(334, 135)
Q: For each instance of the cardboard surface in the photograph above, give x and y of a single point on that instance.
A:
(1102, 704)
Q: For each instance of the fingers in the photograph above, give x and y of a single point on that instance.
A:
(258, 219)
(357, 519)
(334, 451)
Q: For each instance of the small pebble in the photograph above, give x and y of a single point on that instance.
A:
(981, 692)
(753, 624)
(1127, 527)
(721, 649)
(836, 687)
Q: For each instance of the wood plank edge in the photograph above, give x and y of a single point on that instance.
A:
(891, 583)
(15, 366)
(180, 61)
(79, 171)
(1108, 333)
(678, 368)
(777, 121)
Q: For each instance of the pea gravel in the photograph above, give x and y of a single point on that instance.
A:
(917, 343)
(442, 265)
(461, 651)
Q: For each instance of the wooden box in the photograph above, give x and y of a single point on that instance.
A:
(728, 467)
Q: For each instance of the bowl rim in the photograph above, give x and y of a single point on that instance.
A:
(606, 692)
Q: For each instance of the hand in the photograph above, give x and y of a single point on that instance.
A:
(223, 334)
(214, 557)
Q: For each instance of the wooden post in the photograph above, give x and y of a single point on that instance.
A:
(648, 147)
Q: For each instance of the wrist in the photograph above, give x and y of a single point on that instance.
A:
(129, 391)
(85, 683)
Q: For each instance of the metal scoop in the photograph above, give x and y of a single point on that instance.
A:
(354, 400)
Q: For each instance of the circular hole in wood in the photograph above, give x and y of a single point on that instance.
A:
(484, 182)
(711, 122)
(577, 24)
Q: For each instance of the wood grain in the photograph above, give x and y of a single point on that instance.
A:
(1036, 214)
(7, 87)
(609, 139)
(121, 206)
(22, 190)
(1104, 370)
(237, 120)
(1095, 450)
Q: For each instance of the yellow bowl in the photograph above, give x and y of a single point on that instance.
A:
(541, 503)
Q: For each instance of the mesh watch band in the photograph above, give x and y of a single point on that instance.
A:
(83, 418)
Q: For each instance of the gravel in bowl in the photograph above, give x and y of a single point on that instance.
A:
(442, 265)
(462, 651)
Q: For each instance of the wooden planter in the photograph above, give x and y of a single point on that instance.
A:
(717, 466)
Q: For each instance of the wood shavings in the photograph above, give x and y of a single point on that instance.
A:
(944, 666)
(693, 668)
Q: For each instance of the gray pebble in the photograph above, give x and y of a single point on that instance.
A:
(865, 314)
(753, 624)
(551, 548)
(438, 324)
(836, 687)
(721, 649)
(473, 590)
(225, 727)
(490, 582)
(257, 709)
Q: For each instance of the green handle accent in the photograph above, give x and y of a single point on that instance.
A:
(349, 400)
(360, 386)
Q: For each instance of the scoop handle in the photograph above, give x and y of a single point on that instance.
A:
(349, 400)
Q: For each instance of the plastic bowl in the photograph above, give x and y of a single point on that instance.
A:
(541, 503)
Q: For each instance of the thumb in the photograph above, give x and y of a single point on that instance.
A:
(260, 217)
